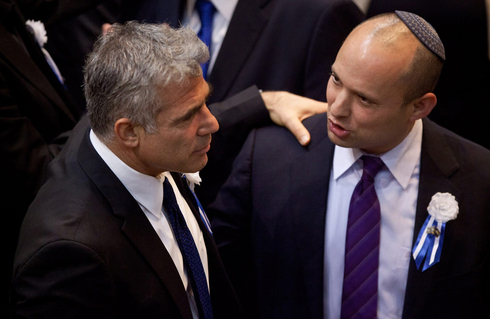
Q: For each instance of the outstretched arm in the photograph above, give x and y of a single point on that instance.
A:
(287, 109)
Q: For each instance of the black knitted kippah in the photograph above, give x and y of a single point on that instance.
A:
(424, 32)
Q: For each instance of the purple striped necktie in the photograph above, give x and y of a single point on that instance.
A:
(360, 289)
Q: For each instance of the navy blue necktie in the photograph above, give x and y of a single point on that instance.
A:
(206, 12)
(360, 289)
(192, 260)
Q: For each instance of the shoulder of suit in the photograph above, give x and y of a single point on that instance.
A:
(467, 153)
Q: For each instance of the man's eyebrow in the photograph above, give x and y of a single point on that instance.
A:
(370, 98)
(373, 100)
(195, 109)
(211, 89)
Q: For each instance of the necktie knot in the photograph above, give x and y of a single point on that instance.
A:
(205, 7)
(372, 166)
(206, 12)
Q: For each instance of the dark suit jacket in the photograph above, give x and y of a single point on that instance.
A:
(270, 225)
(87, 250)
(465, 78)
(283, 45)
(35, 111)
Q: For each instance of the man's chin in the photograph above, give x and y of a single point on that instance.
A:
(336, 140)
(198, 164)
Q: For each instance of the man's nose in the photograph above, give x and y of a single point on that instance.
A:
(340, 107)
(210, 123)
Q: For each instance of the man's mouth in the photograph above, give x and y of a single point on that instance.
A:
(337, 129)
(205, 148)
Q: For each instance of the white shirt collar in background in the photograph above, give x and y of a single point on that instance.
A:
(221, 21)
(224, 7)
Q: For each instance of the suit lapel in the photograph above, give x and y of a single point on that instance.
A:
(310, 176)
(437, 165)
(243, 32)
(136, 226)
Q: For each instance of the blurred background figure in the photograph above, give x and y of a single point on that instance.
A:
(71, 41)
(36, 111)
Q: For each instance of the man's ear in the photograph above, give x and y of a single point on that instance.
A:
(127, 133)
(423, 106)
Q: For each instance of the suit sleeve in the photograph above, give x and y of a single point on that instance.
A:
(231, 224)
(334, 25)
(63, 279)
(237, 116)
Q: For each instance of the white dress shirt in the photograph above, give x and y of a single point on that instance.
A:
(148, 192)
(397, 189)
(221, 21)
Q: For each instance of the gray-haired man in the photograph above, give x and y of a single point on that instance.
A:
(97, 242)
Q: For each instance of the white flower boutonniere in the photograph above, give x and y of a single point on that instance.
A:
(193, 179)
(39, 31)
(442, 208)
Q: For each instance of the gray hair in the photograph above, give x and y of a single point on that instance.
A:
(131, 66)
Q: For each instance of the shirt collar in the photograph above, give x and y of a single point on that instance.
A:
(224, 7)
(401, 160)
(146, 190)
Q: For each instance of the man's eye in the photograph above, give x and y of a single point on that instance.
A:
(363, 99)
(187, 118)
(334, 77)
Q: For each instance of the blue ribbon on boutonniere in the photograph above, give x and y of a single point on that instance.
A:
(192, 179)
(39, 32)
(442, 208)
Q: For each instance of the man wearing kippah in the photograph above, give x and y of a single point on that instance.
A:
(383, 215)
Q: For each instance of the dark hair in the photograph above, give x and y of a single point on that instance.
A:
(422, 75)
